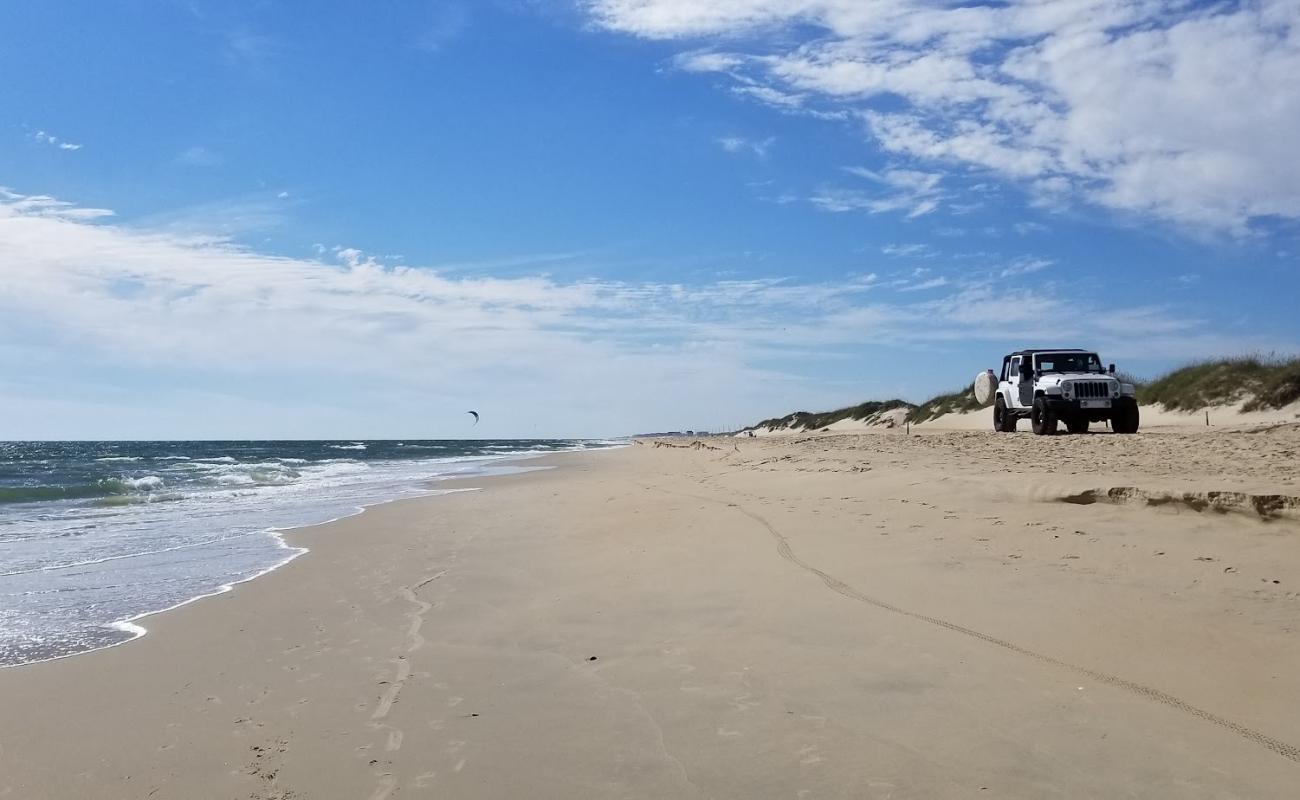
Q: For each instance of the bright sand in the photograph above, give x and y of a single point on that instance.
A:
(875, 616)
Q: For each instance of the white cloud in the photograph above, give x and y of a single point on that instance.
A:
(933, 283)
(909, 250)
(41, 205)
(1026, 265)
(222, 219)
(770, 96)
(913, 192)
(54, 141)
(1161, 108)
(664, 19)
(759, 148)
(707, 62)
(198, 156)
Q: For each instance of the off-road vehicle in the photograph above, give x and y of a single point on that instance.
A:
(1069, 386)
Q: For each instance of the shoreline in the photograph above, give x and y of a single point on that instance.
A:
(139, 631)
(428, 489)
(678, 622)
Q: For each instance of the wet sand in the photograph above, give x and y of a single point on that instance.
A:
(938, 615)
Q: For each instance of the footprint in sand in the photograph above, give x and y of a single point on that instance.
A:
(809, 756)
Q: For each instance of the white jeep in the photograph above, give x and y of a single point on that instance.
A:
(1070, 386)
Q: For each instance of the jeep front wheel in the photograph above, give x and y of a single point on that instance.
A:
(1041, 418)
(1125, 420)
(1002, 421)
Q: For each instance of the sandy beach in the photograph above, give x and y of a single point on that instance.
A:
(945, 614)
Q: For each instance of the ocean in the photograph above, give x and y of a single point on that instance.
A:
(95, 535)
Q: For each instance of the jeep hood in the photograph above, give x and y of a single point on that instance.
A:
(1055, 378)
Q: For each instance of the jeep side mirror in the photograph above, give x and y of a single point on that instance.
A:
(1112, 369)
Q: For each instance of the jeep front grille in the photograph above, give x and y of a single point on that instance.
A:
(1090, 389)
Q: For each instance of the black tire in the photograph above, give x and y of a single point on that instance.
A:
(1002, 421)
(1077, 425)
(1041, 418)
(1126, 420)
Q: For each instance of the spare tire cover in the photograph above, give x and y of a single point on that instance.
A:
(986, 386)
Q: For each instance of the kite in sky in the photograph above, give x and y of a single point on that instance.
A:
(475, 413)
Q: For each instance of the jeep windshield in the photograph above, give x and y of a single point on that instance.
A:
(1068, 362)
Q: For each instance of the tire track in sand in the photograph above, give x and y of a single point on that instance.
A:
(378, 718)
(838, 586)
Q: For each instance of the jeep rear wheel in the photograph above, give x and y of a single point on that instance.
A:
(1002, 421)
(1041, 418)
(1077, 425)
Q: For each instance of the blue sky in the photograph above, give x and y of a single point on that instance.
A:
(603, 217)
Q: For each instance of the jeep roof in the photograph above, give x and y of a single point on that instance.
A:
(1047, 350)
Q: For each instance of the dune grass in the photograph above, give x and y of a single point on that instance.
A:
(1264, 382)
(951, 403)
(813, 421)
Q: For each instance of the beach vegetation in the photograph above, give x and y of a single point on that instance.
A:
(1259, 382)
(812, 421)
(949, 403)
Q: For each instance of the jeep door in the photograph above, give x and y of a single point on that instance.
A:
(1025, 372)
(1013, 377)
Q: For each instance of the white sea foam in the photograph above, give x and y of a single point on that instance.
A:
(139, 499)
(93, 561)
(146, 483)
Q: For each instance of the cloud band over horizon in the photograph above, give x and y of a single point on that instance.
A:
(584, 355)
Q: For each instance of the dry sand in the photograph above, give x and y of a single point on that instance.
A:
(939, 615)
